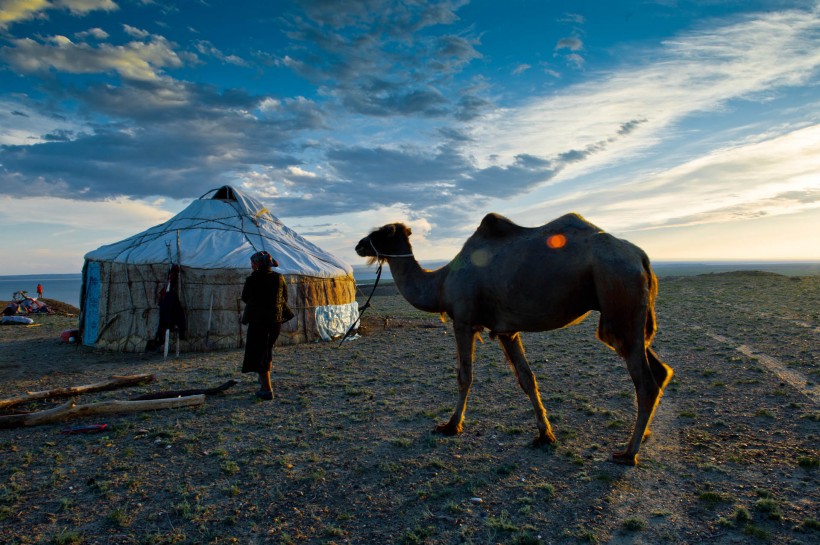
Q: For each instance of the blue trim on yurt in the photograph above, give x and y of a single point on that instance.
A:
(91, 308)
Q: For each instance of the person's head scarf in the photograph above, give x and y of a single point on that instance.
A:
(264, 260)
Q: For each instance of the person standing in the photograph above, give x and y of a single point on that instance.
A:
(266, 296)
(39, 291)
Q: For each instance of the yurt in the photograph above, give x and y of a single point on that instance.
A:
(186, 276)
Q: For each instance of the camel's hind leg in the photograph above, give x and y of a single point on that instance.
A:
(465, 354)
(648, 395)
(626, 296)
(649, 374)
(662, 374)
(514, 350)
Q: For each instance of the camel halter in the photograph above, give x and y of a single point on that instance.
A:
(375, 285)
(379, 254)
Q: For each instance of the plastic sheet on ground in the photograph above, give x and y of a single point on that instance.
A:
(333, 321)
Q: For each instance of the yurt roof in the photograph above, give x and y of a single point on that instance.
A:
(220, 230)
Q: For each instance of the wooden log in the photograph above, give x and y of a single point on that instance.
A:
(71, 410)
(111, 384)
(183, 393)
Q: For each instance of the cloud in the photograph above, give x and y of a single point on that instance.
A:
(470, 107)
(198, 137)
(14, 11)
(194, 136)
(766, 176)
(373, 58)
(573, 18)
(379, 97)
(525, 173)
(573, 44)
(81, 7)
(630, 126)
(772, 176)
(205, 47)
(135, 32)
(520, 69)
(56, 241)
(23, 122)
(697, 72)
(135, 60)
(402, 18)
(96, 33)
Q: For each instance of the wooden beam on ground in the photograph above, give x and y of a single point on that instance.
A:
(183, 393)
(71, 410)
(111, 384)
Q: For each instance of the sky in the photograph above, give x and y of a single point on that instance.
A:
(689, 127)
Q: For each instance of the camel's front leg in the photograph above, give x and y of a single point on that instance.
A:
(465, 354)
(514, 350)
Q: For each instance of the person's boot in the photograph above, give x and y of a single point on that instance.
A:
(266, 390)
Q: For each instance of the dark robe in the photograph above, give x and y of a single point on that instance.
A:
(171, 313)
(265, 294)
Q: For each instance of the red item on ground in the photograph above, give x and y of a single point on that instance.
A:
(91, 428)
(69, 334)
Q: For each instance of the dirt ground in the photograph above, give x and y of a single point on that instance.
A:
(345, 453)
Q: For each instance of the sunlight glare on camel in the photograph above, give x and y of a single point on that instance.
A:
(557, 241)
(480, 258)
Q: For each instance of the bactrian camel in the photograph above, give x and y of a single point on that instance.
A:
(508, 278)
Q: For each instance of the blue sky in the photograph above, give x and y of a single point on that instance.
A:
(691, 128)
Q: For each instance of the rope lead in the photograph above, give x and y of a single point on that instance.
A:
(365, 306)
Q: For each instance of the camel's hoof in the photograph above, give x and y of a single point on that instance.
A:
(447, 429)
(624, 459)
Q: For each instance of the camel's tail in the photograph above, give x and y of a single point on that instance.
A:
(651, 322)
(660, 371)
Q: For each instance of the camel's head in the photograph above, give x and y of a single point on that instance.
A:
(392, 240)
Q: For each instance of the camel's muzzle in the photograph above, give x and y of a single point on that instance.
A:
(364, 249)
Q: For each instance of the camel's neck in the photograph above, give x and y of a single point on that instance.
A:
(421, 288)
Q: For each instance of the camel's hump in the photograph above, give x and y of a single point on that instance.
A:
(497, 226)
(574, 221)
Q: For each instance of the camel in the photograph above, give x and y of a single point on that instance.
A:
(508, 278)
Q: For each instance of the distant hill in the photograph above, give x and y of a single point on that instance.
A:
(692, 268)
(742, 273)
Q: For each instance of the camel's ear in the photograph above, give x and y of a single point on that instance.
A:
(408, 231)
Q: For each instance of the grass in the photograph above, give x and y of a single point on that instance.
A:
(808, 462)
(634, 524)
(769, 507)
(713, 498)
(757, 532)
(345, 453)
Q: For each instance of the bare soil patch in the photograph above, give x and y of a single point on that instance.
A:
(345, 453)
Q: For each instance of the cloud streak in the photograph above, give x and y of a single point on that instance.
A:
(773, 176)
(696, 73)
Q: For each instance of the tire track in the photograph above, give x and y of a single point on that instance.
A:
(768, 315)
(787, 375)
(793, 378)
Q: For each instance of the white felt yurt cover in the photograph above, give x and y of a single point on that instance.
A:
(211, 241)
(221, 230)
